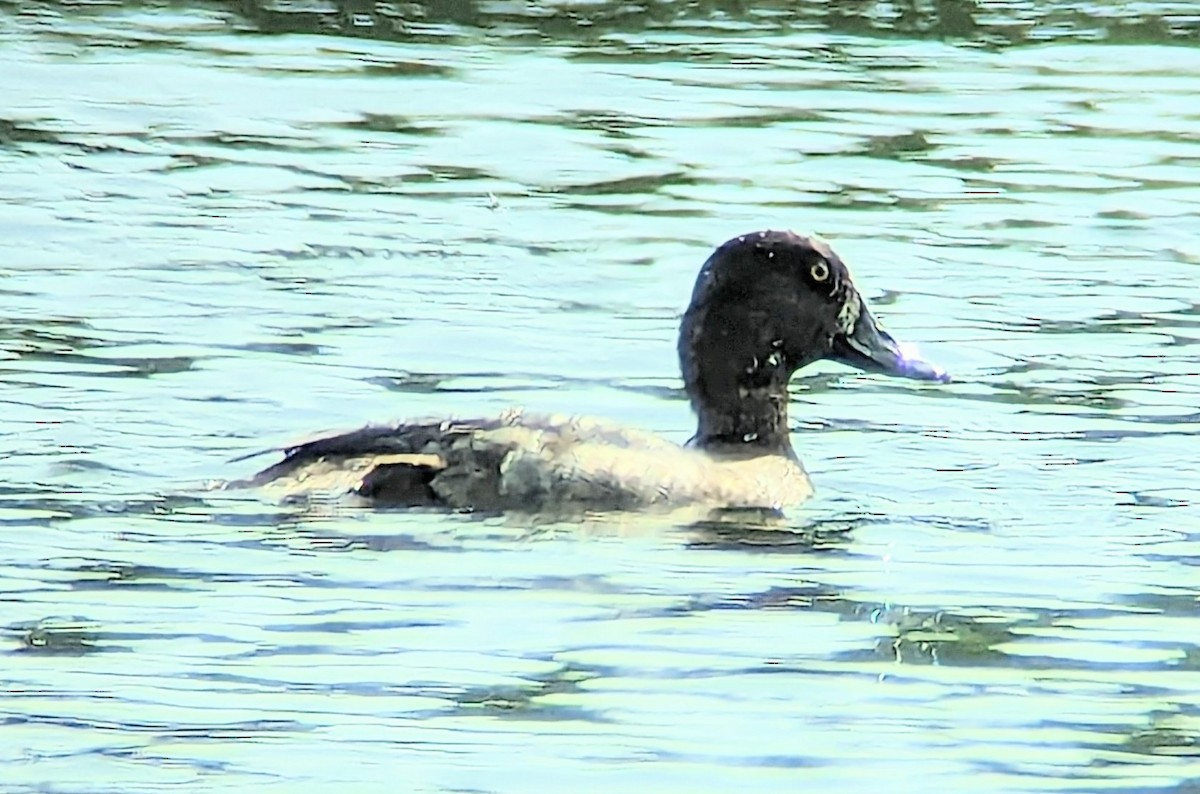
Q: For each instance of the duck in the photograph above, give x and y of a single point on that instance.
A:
(764, 306)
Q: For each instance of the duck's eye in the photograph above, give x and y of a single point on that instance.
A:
(819, 271)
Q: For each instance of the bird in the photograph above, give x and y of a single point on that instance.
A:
(764, 305)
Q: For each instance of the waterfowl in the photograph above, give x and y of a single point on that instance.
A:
(764, 306)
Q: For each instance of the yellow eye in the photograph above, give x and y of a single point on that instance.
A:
(819, 271)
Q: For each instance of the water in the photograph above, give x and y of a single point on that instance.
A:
(228, 225)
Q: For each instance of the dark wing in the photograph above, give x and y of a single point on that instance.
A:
(393, 464)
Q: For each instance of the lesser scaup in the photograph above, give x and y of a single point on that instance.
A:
(764, 305)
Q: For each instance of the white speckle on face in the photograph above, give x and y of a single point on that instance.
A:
(750, 437)
(848, 315)
(770, 254)
(773, 359)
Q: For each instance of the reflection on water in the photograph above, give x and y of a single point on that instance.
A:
(994, 24)
(230, 224)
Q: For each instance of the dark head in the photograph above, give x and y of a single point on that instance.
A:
(765, 305)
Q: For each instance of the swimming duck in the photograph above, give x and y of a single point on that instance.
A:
(764, 305)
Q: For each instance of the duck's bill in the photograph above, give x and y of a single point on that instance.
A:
(871, 349)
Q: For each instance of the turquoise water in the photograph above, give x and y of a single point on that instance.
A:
(229, 225)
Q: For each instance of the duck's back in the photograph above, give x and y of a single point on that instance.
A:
(521, 461)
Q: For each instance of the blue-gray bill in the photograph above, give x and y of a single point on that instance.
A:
(871, 349)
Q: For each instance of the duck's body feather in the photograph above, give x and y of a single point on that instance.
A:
(531, 462)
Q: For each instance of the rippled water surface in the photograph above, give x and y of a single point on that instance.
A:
(226, 225)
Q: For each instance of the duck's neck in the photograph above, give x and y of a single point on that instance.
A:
(753, 419)
(736, 373)
(740, 396)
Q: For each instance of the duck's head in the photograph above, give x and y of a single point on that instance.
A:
(765, 305)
